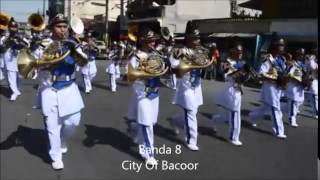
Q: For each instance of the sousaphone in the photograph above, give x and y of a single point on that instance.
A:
(4, 21)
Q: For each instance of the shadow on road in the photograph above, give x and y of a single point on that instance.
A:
(109, 136)
(101, 86)
(248, 125)
(255, 104)
(306, 116)
(33, 140)
(166, 133)
(255, 90)
(208, 131)
(207, 115)
(5, 91)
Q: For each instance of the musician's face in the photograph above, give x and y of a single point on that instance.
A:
(193, 42)
(149, 44)
(59, 30)
(280, 49)
(239, 54)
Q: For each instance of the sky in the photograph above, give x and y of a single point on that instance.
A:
(21, 9)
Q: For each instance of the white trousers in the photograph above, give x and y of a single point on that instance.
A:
(2, 74)
(13, 81)
(188, 120)
(87, 81)
(293, 107)
(314, 103)
(113, 83)
(234, 120)
(276, 115)
(59, 129)
(146, 140)
(174, 81)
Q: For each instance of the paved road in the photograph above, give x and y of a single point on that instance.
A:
(101, 145)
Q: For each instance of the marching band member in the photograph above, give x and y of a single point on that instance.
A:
(89, 71)
(189, 93)
(36, 48)
(4, 21)
(149, 66)
(2, 49)
(61, 115)
(273, 71)
(296, 86)
(165, 45)
(113, 69)
(236, 73)
(312, 67)
(14, 44)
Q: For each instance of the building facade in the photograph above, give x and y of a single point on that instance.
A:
(175, 14)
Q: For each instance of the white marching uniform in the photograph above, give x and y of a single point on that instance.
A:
(61, 104)
(2, 67)
(113, 71)
(188, 96)
(11, 66)
(89, 70)
(230, 99)
(144, 107)
(37, 54)
(312, 65)
(270, 95)
(295, 92)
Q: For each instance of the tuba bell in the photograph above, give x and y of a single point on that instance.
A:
(4, 21)
(36, 22)
(132, 32)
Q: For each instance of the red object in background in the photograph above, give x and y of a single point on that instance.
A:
(123, 37)
(215, 55)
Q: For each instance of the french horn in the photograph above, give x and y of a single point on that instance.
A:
(199, 59)
(51, 56)
(149, 67)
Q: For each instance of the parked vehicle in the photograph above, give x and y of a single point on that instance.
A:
(102, 51)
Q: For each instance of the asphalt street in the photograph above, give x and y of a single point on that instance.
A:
(101, 146)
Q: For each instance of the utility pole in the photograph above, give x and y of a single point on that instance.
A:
(44, 8)
(69, 9)
(106, 21)
(121, 7)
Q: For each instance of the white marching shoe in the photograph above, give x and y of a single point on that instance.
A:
(64, 149)
(193, 147)
(57, 165)
(281, 136)
(14, 96)
(294, 125)
(236, 143)
(151, 161)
